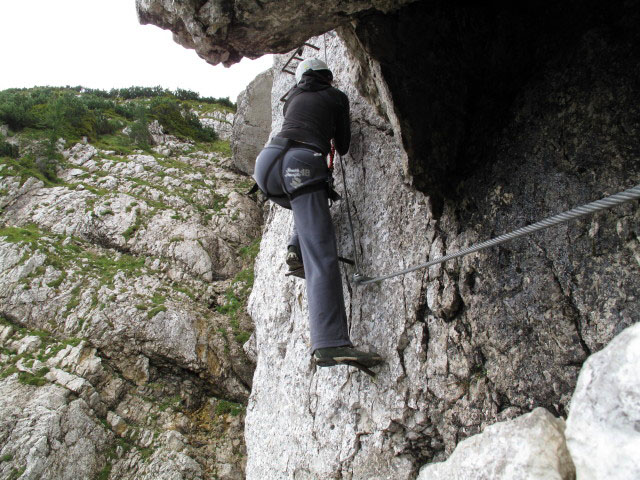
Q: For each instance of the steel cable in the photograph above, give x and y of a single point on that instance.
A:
(608, 202)
(346, 199)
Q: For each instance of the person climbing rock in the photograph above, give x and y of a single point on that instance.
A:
(292, 171)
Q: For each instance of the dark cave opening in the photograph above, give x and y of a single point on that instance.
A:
(455, 68)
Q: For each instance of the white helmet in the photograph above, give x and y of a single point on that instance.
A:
(309, 64)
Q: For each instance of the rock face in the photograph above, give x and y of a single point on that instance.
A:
(65, 412)
(252, 122)
(225, 31)
(529, 447)
(120, 325)
(603, 427)
(458, 135)
(475, 341)
(58, 435)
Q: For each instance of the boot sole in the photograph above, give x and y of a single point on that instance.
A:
(351, 361)
(330, 362)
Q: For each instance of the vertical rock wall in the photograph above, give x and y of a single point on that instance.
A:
(252, 122)
(330, 423)
(477, 340)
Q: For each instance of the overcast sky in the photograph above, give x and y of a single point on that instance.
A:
(100, 44)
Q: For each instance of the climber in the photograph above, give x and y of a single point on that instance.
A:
(292, 172)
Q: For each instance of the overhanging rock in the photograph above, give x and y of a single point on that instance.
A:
(224, 31)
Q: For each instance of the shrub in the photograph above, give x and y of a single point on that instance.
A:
(140, 128)
(9, 150)
(15, 108)
(178, 120)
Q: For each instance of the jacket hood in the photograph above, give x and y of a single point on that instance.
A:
(313, 81)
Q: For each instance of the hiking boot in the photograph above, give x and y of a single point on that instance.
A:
(328, 357)
(294, 259)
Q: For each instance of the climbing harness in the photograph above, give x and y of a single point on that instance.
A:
(605, 203)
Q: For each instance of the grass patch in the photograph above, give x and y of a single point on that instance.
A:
(219, 146)
(29, 234)
(75, 299)
(16, 473)
(225, 407)
(158, 299)
(35, 380)
(172, 402)
(156, 311)
(105, 472)
(237, 294)
(27, 167)
(9, 371)
(145, 453)
(76, 256)
(58, 281)
(186, 291)
(250, 252)
(6, 458)
(131, 231)
(119, 143)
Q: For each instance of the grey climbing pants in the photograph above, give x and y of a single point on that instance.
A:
(290, 183)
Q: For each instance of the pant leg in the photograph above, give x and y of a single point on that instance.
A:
(327, 316)
(294, 240)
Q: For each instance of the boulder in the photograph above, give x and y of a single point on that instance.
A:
(603, 427)
(252, 122)
(530, 447)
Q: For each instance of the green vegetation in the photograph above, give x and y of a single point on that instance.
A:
(29, 234)
(73, 113)
(42, 115)
(8, 150)
(42, 168)
(131, 231)
(112, 454)
(131, 93)
(49, 348)
(36, 380)
(237, 294)
(178, 119)
(16, 473)
(73, 254)
(145, 453)
(156, 311)
(105, 472)
(250, 252)
(225, 407)
(9, 371)
(173, 402)
(6, 458)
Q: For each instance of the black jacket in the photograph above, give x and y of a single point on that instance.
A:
(315, 112)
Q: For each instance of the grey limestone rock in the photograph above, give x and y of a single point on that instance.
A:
(530, 447)
(252, 122)
(477, 340)
(225, 31)
(220, 121)
(47, 433)
(67, 412)
(603, 426)
(121, 316)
